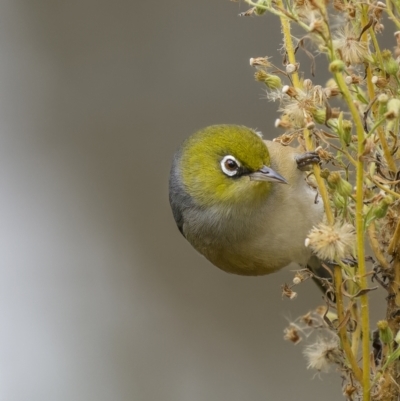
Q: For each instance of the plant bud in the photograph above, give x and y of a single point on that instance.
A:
(261, 10)
(344, 128)
(338, 201)
(379, 211)
(325, 173)
(391, 66)
(336, 182)
(385, 334)
(319, 116)
(336, 66)
(260, 75)
(272, 81)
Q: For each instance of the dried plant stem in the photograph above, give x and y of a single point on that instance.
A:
(383, 188)
(373, 242)
(355, 338)
(386, 151)
(375, 43)
(394, 250)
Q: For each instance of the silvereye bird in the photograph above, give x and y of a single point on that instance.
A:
(243, 202)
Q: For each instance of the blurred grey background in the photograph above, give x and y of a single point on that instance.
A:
(100, 296)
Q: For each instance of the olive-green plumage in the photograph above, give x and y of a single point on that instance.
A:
(201, 171)
(242, 202)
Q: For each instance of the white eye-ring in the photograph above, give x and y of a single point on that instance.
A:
(230, 165)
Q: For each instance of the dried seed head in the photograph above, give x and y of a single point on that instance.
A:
(332, 86)
(288, 292)
(289, 90)
(330, 242)
(324, 154)
(307, 84)
(291, 334)
(378, 28)
(339, 5)
(369, 146)
(309, 124)
(352, 50)
(323, 353)
(310, 320)
(335, 112)
(353, 79)
(317, 26)
(283, 123)
(248, 12)
(260, 62)
(299, 108)
(351, 10)
(378, 9)
(380, 82)
(285, 139)
(349, 390)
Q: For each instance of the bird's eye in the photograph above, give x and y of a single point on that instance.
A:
(230, 165)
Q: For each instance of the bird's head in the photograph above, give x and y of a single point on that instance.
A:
(226, 165)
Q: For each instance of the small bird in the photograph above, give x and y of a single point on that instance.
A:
(243, 202)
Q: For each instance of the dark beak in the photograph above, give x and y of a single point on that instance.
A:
(267, 174)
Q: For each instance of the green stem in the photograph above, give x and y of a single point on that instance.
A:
(360, 234)
(391, 14)
(337, 273)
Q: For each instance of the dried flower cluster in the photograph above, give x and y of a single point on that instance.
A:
(352, 122)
